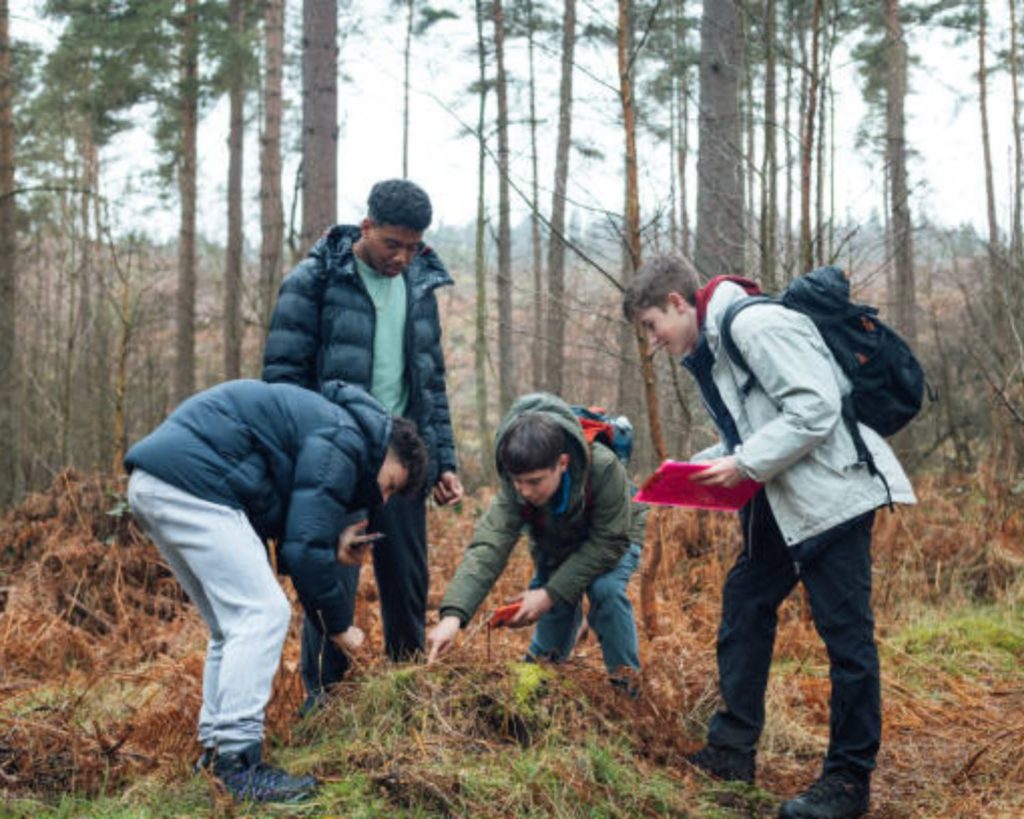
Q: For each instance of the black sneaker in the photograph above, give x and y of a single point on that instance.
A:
(247, 777)
(727, 764)
(836, 795)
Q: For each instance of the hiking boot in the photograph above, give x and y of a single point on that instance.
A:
(727, 764)
(204, 762)
(836, 795)
(247, 777)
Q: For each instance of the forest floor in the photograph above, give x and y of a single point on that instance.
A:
(101, 658)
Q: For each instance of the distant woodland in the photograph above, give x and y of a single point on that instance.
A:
(103, 331)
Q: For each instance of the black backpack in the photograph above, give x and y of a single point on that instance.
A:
(888, 381)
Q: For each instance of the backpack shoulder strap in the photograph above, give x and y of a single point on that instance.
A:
(727, 341)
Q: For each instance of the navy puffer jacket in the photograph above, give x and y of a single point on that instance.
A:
(298, 465)
(323, 326)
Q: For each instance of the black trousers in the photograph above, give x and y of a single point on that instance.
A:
(400, 565)
(835, 568)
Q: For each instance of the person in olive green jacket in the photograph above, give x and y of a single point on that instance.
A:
(574, 500)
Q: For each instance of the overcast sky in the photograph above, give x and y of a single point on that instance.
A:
(942, 127)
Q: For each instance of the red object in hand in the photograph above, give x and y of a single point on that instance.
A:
(503, 614)
(672, 485)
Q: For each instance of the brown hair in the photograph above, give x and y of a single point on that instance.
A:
(656, 278)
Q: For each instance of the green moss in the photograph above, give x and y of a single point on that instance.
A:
(969, 643)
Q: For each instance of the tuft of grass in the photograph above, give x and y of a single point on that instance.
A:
(967, 643)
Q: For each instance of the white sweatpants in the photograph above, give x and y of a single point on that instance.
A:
(222, 565)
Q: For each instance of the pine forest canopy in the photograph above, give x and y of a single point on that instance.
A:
(155, 156)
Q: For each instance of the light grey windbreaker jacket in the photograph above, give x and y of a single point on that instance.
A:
(794, 439)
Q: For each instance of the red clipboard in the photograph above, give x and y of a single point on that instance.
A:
(670, 485)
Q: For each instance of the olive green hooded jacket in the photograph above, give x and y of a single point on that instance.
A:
(585, 541)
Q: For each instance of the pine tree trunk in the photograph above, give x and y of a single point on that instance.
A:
(1016, 239)
(233, 253)
(9, 396)
(994, 256)
(720, 233)
(787, 229)
(407, 55)
(319, 119)
(185, 365)
(535, 238)
(682, 159)
(769, 166)
(480, 265)
(554, 359)
(633, 218)
(271, 207)
(807, 145)
(506, 350)
(897, 160)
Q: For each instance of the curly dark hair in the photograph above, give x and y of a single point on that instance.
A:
(400, 202)
(411, 452)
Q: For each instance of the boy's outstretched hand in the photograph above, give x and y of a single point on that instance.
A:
(354, 544)
(720, 472)
(441, 637)
(534, 604)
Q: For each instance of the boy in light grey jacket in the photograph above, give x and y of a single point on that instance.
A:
(810, 523)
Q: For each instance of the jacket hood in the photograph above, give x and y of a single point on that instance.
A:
(370, 416)
(579, 449)
(334, 249)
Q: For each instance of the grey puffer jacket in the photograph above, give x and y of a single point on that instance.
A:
(323, 325)
(794, 440)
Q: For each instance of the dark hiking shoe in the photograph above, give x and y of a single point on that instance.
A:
(836, 795)
(204, 762)
(247, 777)
(727, 764)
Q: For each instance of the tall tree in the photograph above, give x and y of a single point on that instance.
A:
(506, 352)
(720, 218)
(185, 364)
(319, 118)
(896, 159)
(410, 12)
(769, 165)
(271, 208)
(807, 143)
(555, 355)
(480, 255)
(236, 70)
(1016, 239)
(414, 27)
(538, 276)
(633, 239)
(8, 267)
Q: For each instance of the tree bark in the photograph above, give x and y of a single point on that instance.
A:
(769, 166)
(506, 351)
(807, 145)
(9, 396)
(896, 146)
(480, 263)
(319, 119)
(720, 234)
(185, 367)
(233, 253)
(1016, 238)
(407, 55)
(271, 207)
(538, 345)
(554, 358)
(787, 230)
